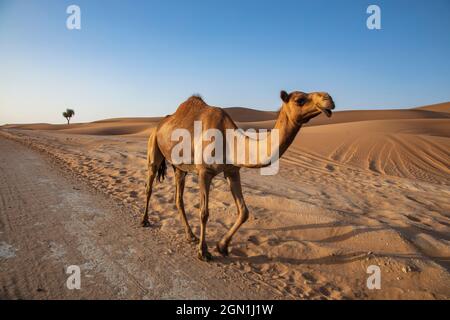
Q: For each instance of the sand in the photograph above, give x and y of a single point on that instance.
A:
(362, 188)
(50, 221)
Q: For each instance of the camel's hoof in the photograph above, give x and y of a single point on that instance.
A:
(191, 238)
(223, 250)
(145, 224)
(204, 256)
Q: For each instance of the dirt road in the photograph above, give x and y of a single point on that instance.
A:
(49, 221)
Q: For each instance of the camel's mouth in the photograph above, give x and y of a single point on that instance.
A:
(326, 111)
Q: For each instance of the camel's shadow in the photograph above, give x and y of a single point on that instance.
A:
(333, 259)
(238, 256)
(262, 259)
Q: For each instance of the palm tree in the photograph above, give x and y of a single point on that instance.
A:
(69, 113)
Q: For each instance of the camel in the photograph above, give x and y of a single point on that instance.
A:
(297, 108)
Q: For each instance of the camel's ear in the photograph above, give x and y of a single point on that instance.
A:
(284, 96)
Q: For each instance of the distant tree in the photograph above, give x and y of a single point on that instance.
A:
(69, 113)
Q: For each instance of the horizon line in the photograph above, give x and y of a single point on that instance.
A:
(249, 108)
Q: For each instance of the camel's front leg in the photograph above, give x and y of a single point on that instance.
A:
(234, 180)
(204, 182)
(180, 178)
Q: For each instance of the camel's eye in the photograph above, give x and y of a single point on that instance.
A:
(301, 101)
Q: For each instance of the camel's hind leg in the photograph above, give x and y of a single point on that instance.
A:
(180, 178)
(154, 161)
(234, 180)
(205, 179)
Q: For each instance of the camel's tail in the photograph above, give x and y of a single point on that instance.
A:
(155, 156)
(162, 171)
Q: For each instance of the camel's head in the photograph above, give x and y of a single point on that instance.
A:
(302, 107)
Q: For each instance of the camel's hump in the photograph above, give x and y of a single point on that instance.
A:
(193, 102)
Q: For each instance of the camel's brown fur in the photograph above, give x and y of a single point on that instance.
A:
(297, 108)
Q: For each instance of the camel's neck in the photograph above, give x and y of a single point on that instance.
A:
(279, 138)
(287, 131)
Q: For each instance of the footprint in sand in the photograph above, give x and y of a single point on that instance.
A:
(309, 277)
(412, 218)
(254, 240)
(324, 291)
(133, 194)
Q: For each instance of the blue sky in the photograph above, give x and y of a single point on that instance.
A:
(142, 58)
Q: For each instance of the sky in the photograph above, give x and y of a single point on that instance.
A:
(143, 58)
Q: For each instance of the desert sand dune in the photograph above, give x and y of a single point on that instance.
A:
(240, 114)
(245, 117)
(131, 120)
(126, 126)
(418, 149)
(438, 107)
(369, 188)
(370, 115)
